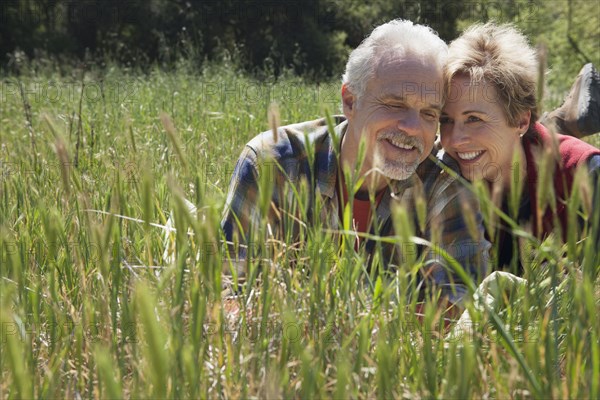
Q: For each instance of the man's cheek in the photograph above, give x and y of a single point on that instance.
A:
(428, 145)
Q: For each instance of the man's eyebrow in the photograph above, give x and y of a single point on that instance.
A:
(400, 98)
(392, 96)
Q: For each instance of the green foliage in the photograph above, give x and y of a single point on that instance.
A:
(311, 38)
(90, 308)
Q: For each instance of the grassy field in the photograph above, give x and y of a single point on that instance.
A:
(89, 308)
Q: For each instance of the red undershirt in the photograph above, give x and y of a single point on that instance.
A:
(361, 218)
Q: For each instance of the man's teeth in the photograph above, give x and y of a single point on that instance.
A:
(401, 145)
(469, 156)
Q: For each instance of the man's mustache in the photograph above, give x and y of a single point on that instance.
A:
(403, 138)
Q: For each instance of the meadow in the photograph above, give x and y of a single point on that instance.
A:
(92, 164)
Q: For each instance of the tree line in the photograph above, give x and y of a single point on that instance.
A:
(309, 37)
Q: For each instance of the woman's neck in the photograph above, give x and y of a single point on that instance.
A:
(516, 172)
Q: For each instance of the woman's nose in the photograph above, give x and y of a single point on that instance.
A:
(459, 135)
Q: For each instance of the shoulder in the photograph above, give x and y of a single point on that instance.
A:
(572, 152)
(439, 173)
(444, 187)
(292, 141)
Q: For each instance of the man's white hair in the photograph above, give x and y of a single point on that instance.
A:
(398, 37)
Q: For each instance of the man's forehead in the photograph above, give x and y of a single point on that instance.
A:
(407, 78)
(412, 88)
(430, 96)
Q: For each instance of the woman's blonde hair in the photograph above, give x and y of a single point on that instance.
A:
(499, 55)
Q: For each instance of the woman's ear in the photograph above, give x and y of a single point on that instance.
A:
(523, 123)
(348, 101)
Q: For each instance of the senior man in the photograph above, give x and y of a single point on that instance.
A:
(392, 98)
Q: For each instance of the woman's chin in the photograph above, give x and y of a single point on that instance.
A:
(469, 174)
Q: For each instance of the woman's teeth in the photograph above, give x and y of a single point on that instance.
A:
(469, 156)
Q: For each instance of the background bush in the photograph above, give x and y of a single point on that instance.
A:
(309, 37)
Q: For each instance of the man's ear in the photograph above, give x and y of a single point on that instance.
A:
(348, 101)
(523, 123)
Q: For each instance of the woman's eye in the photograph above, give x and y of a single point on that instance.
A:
(445, 120)
(473, 118)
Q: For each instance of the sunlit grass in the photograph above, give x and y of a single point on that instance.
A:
(89, 306)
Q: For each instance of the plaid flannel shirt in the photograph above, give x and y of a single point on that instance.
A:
(287, 161)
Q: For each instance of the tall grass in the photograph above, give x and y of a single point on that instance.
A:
(90, 307)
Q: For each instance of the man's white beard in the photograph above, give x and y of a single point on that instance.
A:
(394, 169)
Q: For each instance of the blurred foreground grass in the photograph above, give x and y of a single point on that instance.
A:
(89, 307)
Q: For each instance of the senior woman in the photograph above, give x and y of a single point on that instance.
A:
(488, 127)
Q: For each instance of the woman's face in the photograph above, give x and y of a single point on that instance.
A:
(475, 132)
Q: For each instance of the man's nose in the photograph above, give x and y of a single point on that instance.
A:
(410, 122)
